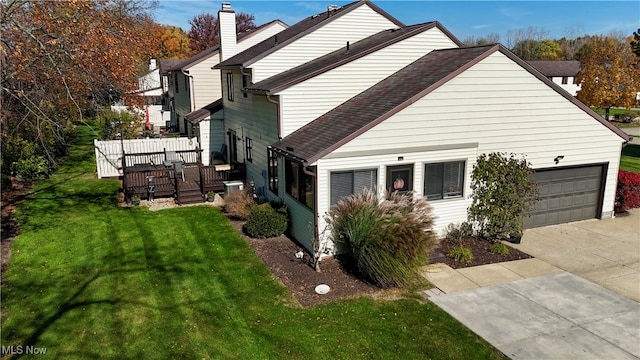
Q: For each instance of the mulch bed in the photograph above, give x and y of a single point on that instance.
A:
(480, 250)
(278, 254)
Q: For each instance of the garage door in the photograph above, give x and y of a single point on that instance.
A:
(566, 195)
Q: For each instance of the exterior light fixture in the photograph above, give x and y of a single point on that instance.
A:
(558, 158)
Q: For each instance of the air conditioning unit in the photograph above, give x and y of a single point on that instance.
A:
(232, 186)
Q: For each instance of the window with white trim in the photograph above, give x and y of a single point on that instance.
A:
(444, 180)
(345, 183)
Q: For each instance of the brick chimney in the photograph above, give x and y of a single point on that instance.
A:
(227, 25)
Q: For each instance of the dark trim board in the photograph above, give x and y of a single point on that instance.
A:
(545, 202)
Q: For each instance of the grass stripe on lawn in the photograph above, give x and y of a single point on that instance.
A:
(89, 279)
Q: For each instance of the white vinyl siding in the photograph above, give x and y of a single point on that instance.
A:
(353, 26)
(256, 118)
(445, 211)
(513, 112)
(314, 97)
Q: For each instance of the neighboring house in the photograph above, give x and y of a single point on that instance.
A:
(562, 73)
(150, 88)
(437, 115)
(193, 85)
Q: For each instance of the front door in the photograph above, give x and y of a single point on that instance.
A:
(400, 178)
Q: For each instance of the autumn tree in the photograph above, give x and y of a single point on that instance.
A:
(60, 58)
(635, 42)
(173, 43)
(608, 75)
(204, 29)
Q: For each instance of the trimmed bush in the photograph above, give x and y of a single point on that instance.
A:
(503, 192)
(264, 221)
(386, 239)
(461, 254)
(238, 204)
(627, 192)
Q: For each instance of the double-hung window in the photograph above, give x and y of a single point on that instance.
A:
(272, 169)
(444, 180)
(345, 183)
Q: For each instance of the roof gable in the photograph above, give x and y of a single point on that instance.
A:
(376, 104)
(296, 31)
(343, 56)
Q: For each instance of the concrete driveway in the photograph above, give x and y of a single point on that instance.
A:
(578, 299)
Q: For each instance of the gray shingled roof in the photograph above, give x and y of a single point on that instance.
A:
(367, 109)
(296, 31)
(167, 65)
(342, 56)
(196, 116)
(556, 68)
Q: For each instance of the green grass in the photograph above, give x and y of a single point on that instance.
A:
(89, 279)
(613, 111)
(630, 159)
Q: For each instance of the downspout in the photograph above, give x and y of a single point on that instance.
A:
(192, 95)
(269, 99)
(305, 164)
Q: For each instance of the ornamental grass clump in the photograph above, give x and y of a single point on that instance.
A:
(238, 204)
(387, 239)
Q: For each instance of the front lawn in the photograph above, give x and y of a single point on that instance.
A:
(89, 279)
(630, 159)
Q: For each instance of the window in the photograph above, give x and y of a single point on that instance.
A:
(272, 170)
(299, 184)
(444, 180)
(400, 178)
(186, 84)
(233, 146)
(245, 82)
(175, 82)
(249, 149)
(230, 86)
(575, 81)
(345, 183)
(565, 80)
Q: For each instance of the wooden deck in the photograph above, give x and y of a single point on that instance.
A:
(162, 175)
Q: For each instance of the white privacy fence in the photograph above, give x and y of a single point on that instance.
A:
(109, 152)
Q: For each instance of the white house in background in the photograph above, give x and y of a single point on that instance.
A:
(427, 124)
(562, 73)
(150, 88)
(193, 85)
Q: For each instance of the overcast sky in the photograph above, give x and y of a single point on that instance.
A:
(462, 18)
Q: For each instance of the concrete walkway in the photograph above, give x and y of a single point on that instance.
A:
(578, 298)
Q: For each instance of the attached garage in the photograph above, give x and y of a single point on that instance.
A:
(568, 194)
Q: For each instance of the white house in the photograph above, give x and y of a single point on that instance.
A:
(352, 98)
(562, 73)
(193, 86)
(438, 114)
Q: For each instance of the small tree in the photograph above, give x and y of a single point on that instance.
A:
(608, 76)
(503, 192)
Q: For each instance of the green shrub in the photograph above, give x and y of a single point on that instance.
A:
(264, 221)
(114, 123)
(386, 239)
(238, 204)
(499, 248)
(503, 192)
(34, 167)
(458, 232)
(461, 254)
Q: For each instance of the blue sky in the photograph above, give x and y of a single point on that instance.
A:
(462, 18)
